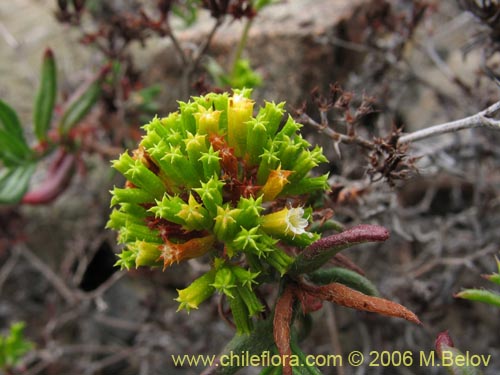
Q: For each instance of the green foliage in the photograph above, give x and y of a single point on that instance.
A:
(46, 96)
(13, 346)
(13, 147)
(81, 105)
(197, 171)
(242, 75)
(18, 159)
(481, 295)
(146, 101)
(15, 155)
(344, 276)
(452, 358)
(215, 180)
(186, 10)
(9, 121)
(14, 182)
(257, 342)
(259, 4)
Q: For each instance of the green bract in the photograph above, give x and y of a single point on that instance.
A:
(214, 179)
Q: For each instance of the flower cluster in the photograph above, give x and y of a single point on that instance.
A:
(214, 179)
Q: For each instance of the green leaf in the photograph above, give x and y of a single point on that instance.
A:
(272, 370)
(449, 358)
(13, 346)
(14, 182)
(13, 150)
(82, 105)
(304, 368)
(480, 295)
(344, 276)
(216, 71)
(46, 96)
(320, 227)
(452, 359)
(13, 147)
(494, 277)
(187, 11)
(259, 4)
(242, 76)
(257, 342)
(9, 121)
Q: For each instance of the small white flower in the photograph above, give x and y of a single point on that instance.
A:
(288, 221)
(295, 222)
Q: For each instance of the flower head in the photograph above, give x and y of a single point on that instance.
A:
(212, 180)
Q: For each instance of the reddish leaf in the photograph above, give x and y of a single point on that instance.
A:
(308, 302)
(343, 261)
(321, 251)
(281, 327)
(443, 341)
(358, 234)
(59, 178)
(344, 296)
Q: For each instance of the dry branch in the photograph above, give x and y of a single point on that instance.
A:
(479, 120)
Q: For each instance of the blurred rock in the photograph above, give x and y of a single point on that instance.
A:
(288, 45)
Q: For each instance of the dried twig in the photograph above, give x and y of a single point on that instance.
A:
(479, 120)
(451, 261)
(331, 322)
(105, 285)
(445, 69)
(206, 44)
(119, 323)
(336, 136)
(8, 37)
(71, 296)
(7, 268)
(96, 367)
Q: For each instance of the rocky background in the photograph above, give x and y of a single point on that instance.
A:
(86, 317)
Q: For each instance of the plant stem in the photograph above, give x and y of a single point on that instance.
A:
(204, 47)
(241, 45)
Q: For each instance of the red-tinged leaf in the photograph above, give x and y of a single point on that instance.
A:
(308, 302)
(281, 327)
(345, 296)
(321, 251)
(443, 341)
(452, 359)
(343, 261)
(55, 183)
(358, 234)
